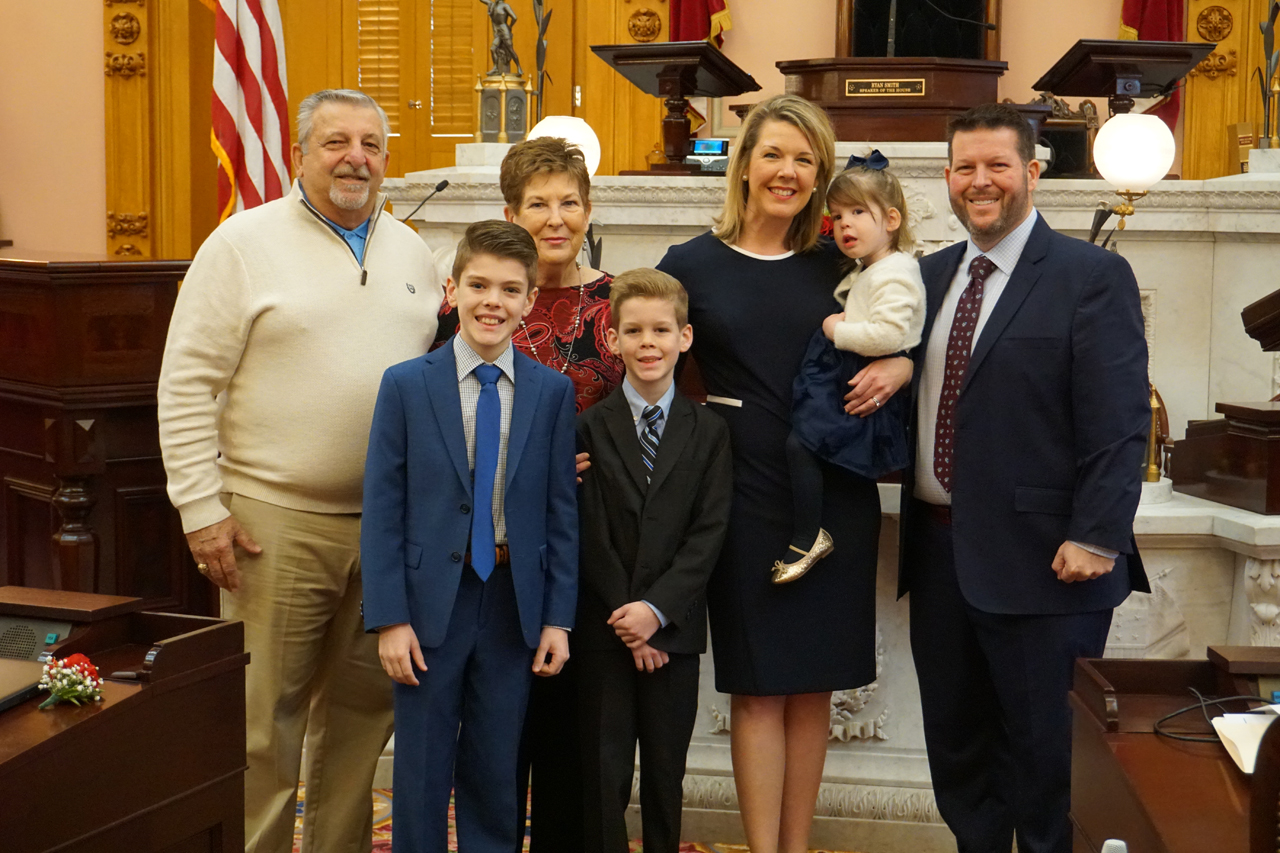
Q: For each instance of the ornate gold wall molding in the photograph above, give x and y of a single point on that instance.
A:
(126, 224)
(1214, 23)
(1221, 91)
(126, 64)
(1216, 64)
(125, 28)
(644, 25)
(128, 125)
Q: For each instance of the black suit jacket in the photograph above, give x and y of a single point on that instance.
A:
(1050, 430)
(659, 541)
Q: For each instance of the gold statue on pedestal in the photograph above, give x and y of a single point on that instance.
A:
(503, 97)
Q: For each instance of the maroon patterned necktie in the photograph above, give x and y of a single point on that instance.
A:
(959, 347)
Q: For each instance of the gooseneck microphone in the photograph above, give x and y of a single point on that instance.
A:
(440, 187)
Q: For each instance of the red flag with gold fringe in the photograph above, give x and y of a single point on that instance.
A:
(699, 20)
(1155, 20)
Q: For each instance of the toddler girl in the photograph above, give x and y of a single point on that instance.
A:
(883, 299)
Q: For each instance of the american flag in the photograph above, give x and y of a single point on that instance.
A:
(250, 105)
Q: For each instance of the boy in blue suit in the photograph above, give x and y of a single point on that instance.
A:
(469, 548)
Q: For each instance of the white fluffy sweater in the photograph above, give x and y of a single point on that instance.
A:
(274, 356)
(883, 307)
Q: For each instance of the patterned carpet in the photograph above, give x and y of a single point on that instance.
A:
(382, 830)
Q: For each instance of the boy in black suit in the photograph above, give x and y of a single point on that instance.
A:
(653, 507)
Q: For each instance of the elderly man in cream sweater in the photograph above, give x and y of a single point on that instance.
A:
(288, 317)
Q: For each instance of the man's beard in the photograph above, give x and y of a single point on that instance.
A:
(1013, 208)
(347, 199)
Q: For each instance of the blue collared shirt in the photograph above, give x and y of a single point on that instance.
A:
(638, 404)
(354, 237)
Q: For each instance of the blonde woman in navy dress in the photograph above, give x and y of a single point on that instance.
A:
(759, 283)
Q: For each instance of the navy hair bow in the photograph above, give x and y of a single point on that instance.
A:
(875, 161)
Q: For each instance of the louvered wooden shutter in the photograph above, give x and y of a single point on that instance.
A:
(378, 54)
(453, 80)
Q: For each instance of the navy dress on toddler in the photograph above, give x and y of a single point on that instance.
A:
(869, 447)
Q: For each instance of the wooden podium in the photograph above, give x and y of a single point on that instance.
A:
(898, 99)
(82, 488)
(676, 71)
(1236, 460)
(1160, 795)
(158, 765)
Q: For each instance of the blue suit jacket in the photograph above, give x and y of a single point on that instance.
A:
(417, 499)
(1050, 434)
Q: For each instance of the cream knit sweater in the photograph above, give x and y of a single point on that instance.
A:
(883, 307)
(275, 351)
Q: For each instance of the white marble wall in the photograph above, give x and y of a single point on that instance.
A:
(1201, 251)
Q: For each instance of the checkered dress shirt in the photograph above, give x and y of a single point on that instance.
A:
(469, 392)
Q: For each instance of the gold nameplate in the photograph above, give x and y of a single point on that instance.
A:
(884, 88)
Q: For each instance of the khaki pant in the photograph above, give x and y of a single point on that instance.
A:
(312, 671)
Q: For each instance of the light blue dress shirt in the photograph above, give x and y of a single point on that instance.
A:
(354, 237)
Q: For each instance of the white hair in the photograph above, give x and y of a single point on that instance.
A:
(307, 110)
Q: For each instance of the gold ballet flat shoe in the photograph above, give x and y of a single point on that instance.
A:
(788, 572)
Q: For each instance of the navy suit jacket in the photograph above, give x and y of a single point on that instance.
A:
(1050, 430)
(417, 499)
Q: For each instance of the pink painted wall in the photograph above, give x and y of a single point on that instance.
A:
(765, 31)
(53, 196)
(1033, 35)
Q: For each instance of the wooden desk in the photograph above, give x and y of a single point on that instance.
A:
(158, 765)
(1156, 794)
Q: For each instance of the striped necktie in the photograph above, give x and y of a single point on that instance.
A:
(652, 416)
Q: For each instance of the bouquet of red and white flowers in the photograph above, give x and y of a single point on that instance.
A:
(73, 679)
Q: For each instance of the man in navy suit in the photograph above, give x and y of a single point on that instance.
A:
(470, 549)
(1017, 515)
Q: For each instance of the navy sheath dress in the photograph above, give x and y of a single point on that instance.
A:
(752, 322)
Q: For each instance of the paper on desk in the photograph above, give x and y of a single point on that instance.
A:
(1242, 734)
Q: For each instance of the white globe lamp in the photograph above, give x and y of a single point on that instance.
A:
(576, 131)
(1133, 151)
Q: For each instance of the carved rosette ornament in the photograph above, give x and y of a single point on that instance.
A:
(126, 64)
(128, 249)
(126, 224)
(1262, 589)
(644, 25)
(1215, 23)
(125, 28)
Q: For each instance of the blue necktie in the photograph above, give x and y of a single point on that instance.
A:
(488, 431)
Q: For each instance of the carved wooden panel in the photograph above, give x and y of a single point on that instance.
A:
(29, 522)
(628, 122)
(1222, 90)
